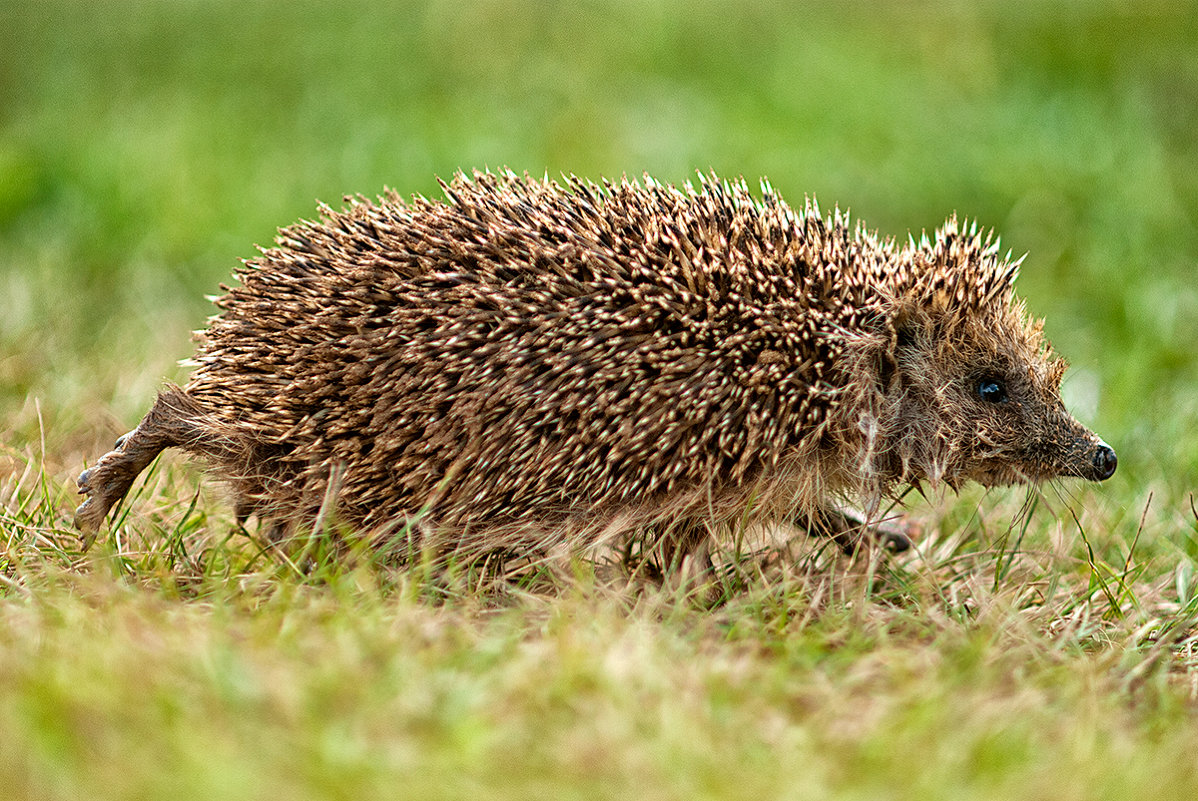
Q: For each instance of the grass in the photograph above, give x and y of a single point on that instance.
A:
(144, 147)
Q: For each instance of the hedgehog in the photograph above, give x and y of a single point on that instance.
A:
(531, 364)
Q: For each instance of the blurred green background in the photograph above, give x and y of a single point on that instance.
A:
(145, 147)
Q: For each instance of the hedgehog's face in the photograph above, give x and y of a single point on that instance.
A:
(979, 399)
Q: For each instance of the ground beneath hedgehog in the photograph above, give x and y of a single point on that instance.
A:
(531, 364)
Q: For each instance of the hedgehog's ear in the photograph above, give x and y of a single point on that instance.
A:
(898, 334)
(887, 368)
(905, 326)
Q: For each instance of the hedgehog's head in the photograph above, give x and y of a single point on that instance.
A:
(971, 388)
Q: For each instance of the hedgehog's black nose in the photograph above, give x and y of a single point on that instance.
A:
(1105, 463)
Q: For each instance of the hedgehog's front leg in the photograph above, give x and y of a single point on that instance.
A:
(851, 529)
(170, 421)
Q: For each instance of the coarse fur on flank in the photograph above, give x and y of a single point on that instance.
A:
(532, 364)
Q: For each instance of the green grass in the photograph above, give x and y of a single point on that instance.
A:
(145, 147)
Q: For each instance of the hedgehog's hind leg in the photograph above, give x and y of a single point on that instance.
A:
(108, 481)
(172, 420)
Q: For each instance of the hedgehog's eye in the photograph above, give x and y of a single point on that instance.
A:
(992, 390)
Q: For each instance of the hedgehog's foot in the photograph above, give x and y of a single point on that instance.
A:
(109, 480)
(851, 529)
(106, 483)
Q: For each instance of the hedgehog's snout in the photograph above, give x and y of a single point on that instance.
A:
(1092, 459)
(1104, 462)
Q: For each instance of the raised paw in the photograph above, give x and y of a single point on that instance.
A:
(108, 481)
(104, 484)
